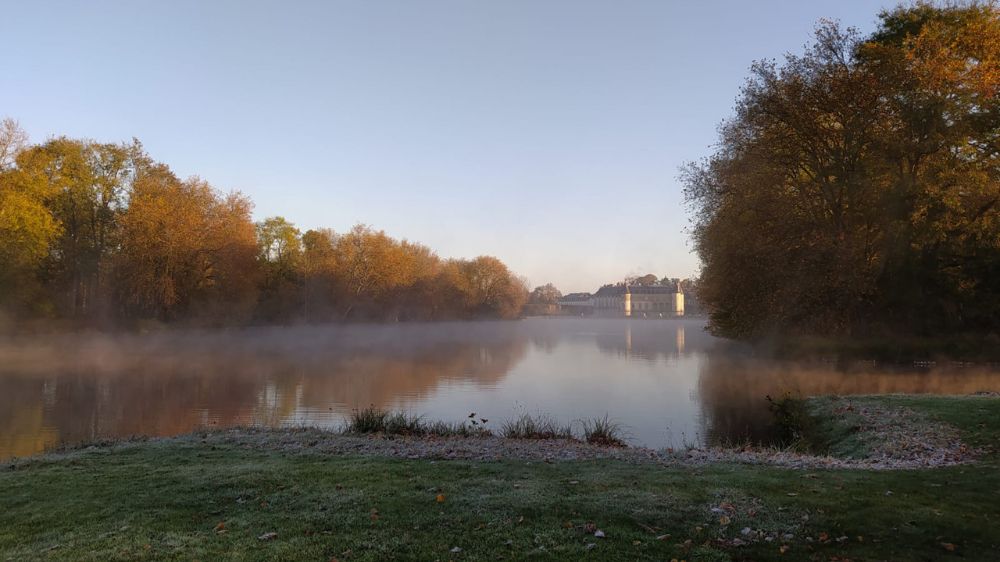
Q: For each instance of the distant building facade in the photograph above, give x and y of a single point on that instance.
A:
(641, 301)
(577, 304)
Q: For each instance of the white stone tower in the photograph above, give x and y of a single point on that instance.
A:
(628, 301)
(678, 301)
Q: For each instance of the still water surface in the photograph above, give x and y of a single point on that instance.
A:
(667, 381)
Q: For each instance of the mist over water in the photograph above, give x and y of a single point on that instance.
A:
(667, 381)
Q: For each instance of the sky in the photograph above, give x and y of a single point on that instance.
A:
(548, 133)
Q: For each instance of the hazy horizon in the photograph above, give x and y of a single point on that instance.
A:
(546, 134)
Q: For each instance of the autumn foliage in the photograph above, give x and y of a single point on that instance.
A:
(100, 233)
(856, 190)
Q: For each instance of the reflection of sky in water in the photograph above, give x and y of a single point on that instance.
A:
(575, 380)
(668, 382)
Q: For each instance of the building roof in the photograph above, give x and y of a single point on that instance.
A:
(618, 290)
(576, 297)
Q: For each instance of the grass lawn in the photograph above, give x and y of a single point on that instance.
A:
(181, 499)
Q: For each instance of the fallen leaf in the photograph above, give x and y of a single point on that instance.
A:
(783, 549)
(948, 546)
(599, 534)
(456, 550)
(268, 536)
(663, 538)
(220, 527)
(440, 498)
(724, 520)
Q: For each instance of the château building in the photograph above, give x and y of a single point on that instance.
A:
(640, 301)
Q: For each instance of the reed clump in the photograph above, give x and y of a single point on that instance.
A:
(527, 426)
(374, 420)
(603, 431)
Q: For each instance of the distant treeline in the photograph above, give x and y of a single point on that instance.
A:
(98, 234)
(856, 190)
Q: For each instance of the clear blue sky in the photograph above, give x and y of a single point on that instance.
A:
(548, 133)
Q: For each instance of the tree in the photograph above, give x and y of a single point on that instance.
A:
(370, 265)
(281, 260)
(27, 227)
(490, 289)
(855, 188)
(319, 264)
(13, 141)
(100, 232)
(187, 252)
(87, 184)
(646, 280)
(545, 294)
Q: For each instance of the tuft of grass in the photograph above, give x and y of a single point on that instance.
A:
(367, 420)
(402, 423)
(388, 422)
(603, 431)
(527, 426)
(463, 429)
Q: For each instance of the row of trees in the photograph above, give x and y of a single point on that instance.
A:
(98, 233)
(857, 186)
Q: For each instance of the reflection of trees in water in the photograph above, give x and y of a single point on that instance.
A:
(22, 423)
(170, 384)
(732, 391)
(360, 379)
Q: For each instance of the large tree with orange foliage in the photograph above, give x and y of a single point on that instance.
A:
(857, 187)
(187, 251)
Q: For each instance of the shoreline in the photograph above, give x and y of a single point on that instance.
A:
(901, 440)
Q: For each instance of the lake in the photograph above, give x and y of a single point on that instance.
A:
(668, 382)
